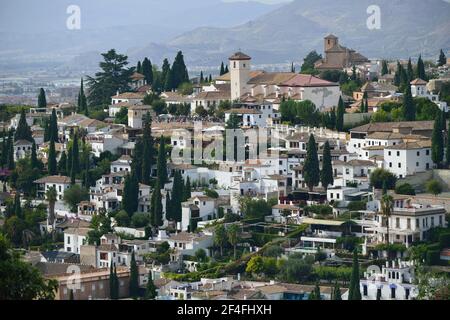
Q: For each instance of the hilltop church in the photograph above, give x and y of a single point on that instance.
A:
(256, 86)
(338, 57)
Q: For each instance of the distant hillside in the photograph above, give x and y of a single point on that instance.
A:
(408, 28)
(35, 31)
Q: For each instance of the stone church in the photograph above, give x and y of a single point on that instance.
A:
(338, 57)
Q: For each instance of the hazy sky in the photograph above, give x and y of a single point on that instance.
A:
(263, 1)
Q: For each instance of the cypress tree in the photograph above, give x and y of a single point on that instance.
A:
(447, 153)
(23, 131)
(354, 290)
(384, 68)
(421, 69)
(10, 160)
(408, 108)
(156, 208)
(222, 69)
(139, 67)
(150, 292)
(333, 118)
(187, 190)
(134, 277)
(210, 78)
(113, 282)
(292, 67)
(165, 70)
(130, 196)
(62, 164)
(147, 71)
(410, 71)
(34, 160)
(169, 214)
(201, 77)
(326, 175)
(340, 115)
(4, 156)
(311, 172)
(42, 100)
(71, 295)
(362, 108)
(366, 102)
(17, 207)
(138, 159)
(51, 163)
(177, 196)
(442, 59)
(226, 69)
(337, 292)
(161, 163)
(179, 71)
(169, 83)
(86, 180)
(53, 127)
(315, 294)
(437, 141)
(82, 101)
(75, 166)
(147, 156)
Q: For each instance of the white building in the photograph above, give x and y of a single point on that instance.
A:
(136, 115)
(74, 238)
(395, 281)
(22, 148)
(408, 158)
(419, 89)
(197, 208)
(60, 183)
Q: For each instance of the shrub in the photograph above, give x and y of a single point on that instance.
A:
(380, 176)
(444, 240)
(432, 257)
(320, 209)
(405, 188)
(357, 205)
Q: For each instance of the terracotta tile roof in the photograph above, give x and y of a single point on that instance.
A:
(271, 78)
(239, 56)
(54, 179)
(129, 95)
(418, 81)
(411, 145)
(243, 111)
(389, 126)
(306, 80)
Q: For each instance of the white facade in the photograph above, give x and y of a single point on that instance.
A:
(407, 159)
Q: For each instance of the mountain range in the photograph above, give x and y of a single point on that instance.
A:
(208, 31)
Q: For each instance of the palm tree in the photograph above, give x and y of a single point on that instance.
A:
(233, 231)
(387, 206)
(51, 198)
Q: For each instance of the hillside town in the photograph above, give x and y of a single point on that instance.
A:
(326, 181)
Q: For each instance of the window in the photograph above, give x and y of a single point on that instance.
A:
(389, 153)
(408, 223)
(68, 240)
(392, 293)
(417, 164)
(337, 196)
(331, 195)
(365, 290)
(417, 224)
(427, 152)
(407, 293)
(399, 164)
(397, 223)
(418, 153)
(390, 164)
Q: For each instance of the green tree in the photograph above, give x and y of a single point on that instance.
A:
(380, 176)
(113, 282)
(233, 237)
(387, 207)
(315, 294)
(437, 141)
(222, 69)
(75, 166)
(62, 164)
(354, 290)
(148, 151)
(220, 237)
(74, 195)
(114, 77)
(51, 196)
(130, 196)
(408, 107)
(34, 161)
(442, 59)
(326, 175)
(19, 280)
(134, 277)
(405, 188)
(122, 218)
(23, 131)
(53, 128)
(156, 206)
(42, 100)
(384, 68)
(51, 163)
(150, 291)
(420, 71)
(161, 165)
(177, 196)
(337, 292)
(308, 63)
(340, 115)
(187, 190)
(434, 187)
(147, 71)
(311, 165)
(10, 145)
(82, 101)
(447, 149)
(255, 265)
